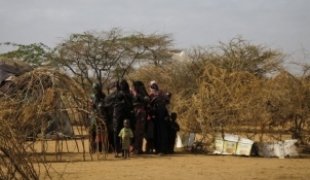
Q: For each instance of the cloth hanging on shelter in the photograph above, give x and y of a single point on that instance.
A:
(9, 67)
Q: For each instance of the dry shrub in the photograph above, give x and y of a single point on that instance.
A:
(15, 161)
(217, 101)
(289, 105)
(236, 88)
(241, 103)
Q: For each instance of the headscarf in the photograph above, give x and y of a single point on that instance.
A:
(153, 87)
(155, 91)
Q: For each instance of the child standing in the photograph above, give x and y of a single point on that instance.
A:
(172, 132)
(126, 135)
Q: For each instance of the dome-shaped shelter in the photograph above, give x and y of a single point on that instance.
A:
(43, 111)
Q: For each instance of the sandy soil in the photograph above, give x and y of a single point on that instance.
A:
(179, 166)
(185, 166)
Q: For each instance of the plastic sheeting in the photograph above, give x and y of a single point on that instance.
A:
(280, 149)
(9, 67)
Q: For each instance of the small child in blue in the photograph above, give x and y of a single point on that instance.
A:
(126, 135)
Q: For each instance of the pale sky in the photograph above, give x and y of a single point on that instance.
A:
(279, 24)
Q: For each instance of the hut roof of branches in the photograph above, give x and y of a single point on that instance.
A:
(29, 101)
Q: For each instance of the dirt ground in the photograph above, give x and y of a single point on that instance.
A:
(177, 166)
(185, 166)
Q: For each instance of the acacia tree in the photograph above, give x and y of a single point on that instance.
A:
(101, 56)
(158, 48)
(35, 54)
(238, 55)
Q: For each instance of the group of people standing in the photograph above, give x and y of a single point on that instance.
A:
(130, 115)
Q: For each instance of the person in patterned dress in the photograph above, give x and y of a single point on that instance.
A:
(140, 102)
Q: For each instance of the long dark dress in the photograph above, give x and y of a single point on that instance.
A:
(122, 109)
(160, 116)
(141, 103)
(140, 115)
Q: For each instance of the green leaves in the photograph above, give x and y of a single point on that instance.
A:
(35, 54)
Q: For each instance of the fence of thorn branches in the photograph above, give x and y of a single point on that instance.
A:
(28, 105)
(241, 103)
(217, 101)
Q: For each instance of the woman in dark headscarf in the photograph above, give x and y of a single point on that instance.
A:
(140, 102)
(122, 102)
(160, 115)
(97, 126)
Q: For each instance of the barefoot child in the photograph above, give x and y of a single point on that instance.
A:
(126, 135)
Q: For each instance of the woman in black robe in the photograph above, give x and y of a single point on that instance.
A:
(122, 102)
(160, 115)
